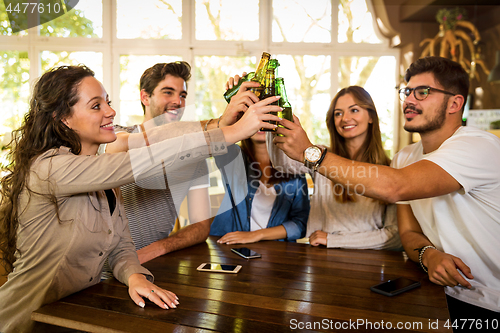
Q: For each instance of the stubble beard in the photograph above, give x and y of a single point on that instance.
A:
(434, 124)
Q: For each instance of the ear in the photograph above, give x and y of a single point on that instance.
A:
(144, 97)
(66, 122)
(455, 104)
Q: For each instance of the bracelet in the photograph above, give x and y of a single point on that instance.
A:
(421, 254)
(206, 124)
(218, 122)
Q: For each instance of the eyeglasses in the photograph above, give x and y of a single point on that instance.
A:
(420, 93)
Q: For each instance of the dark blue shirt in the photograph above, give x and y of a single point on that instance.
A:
(241, 180)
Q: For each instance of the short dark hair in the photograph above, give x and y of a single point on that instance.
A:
(153, 75)
(448, 73)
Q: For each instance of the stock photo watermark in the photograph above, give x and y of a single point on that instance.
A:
(24, 14)
(370, 325)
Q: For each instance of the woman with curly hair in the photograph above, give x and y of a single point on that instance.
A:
(61, 212)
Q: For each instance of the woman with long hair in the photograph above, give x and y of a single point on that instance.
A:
(270, 205)
(61, 212)
(342, 217)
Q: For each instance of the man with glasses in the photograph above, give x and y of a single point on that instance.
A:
(447, 187)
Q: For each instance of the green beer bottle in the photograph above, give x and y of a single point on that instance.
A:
(258, 76)
(283, 101)
(270, 87)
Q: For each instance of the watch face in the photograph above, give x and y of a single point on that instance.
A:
(312, 154)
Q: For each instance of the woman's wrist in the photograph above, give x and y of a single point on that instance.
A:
(230, 134)
(136, 277)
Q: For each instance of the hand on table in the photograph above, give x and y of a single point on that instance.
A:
(318, 237)
(443, 269)
(139, 286)
(239, 237)
(294, 140)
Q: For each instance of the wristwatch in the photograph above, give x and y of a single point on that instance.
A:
(313, 156)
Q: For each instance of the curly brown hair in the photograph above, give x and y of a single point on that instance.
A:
(42, 129)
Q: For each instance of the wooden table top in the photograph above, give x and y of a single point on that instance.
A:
(293, 286)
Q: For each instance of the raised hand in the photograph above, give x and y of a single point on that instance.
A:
(294, 140)
(239, 104)
(232, 81)
(253, 119)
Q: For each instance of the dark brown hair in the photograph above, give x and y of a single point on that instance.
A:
(154, 75)
(372, 150)
(448, 73)
(53, 96)
(248, 148)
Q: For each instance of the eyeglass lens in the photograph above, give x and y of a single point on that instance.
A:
(420, 93)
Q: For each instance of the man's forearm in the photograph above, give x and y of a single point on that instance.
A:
(361, 178)
(190, 235)
(412, 240)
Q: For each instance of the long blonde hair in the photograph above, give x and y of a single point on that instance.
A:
(372, 150)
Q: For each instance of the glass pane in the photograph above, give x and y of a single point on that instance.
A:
(356, 23)
(158, 19)
(131, 69)
(5, 24)
(300, 21)
(92, 60)
(212, 73)
(14, 93)
(378, 77)
(227, 20)
(85, 20)
(307, 81)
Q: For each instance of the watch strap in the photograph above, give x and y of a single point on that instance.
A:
(323, 154)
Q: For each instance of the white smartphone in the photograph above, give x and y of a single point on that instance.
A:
(246, 253)
(219, 268)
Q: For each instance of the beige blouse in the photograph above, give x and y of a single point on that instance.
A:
(59, 256)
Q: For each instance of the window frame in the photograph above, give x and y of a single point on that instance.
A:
(188, 48)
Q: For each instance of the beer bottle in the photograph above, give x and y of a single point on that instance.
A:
(270, 87)
(257, 76)
(283, 101)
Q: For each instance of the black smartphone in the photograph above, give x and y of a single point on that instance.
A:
(246, 253)
(395, 287)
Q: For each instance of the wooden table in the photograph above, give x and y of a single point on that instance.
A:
(293, 286)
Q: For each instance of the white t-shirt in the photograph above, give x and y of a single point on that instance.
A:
(262, 206)
(465, 223)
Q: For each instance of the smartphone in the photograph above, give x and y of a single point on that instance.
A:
(395, 287)
(220, 268)
(246, 253)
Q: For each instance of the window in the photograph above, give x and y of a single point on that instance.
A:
(223, 20)
(320, 48)
(141, 21)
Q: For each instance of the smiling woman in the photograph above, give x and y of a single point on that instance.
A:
(339, 216)
(92, 116)
(60, 217)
